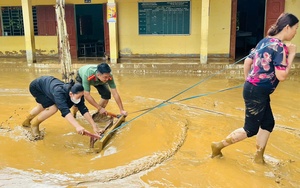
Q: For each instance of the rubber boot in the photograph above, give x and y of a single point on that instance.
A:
(259, 155)
(26, 122)
(35, 129)
(216, 147)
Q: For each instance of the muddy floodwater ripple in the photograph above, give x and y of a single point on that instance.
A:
(169, 146)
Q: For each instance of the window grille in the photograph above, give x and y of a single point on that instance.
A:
(12, 21)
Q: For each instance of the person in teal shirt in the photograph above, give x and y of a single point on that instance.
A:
(101, 78)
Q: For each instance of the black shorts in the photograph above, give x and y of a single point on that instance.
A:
(258, 112)
(39, 95)
(104, 91)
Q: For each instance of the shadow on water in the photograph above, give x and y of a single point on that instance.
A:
(167, 147)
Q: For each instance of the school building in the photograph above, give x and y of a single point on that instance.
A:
(141, 28)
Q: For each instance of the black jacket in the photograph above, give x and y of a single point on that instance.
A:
(58, 92)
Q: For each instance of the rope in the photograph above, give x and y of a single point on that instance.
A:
(196, 96)
(209, 93)
(201, 81)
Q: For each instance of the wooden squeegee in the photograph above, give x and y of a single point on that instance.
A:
(107, 135)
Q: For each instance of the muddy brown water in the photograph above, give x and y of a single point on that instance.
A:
(166, 147)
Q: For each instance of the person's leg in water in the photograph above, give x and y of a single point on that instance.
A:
(34, 112)
(261, 142)
(263, 134)
(74, 111)
(103, 103)
(254, 112)
(42, 116)
(234, 137)
(105, 94)
(99, 116)
(39, 97)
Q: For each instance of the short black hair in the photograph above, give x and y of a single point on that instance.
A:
(76, 88)
(103, 68)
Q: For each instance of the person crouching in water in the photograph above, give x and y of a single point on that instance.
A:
(101, 78)
(264, 68)
(52, 94)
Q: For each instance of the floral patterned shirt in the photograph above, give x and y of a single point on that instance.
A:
(267, 57)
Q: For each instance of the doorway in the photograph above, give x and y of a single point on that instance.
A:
(250, 22)
(90, 30)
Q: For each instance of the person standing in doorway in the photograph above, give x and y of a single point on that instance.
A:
(52, 94)
(101, 78)
(264, 68)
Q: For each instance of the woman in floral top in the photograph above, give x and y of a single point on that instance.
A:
(269, 63)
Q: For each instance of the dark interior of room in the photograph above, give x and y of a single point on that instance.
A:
(90, 32)
(250, 25)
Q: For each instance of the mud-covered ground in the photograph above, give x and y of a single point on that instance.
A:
(168, 146)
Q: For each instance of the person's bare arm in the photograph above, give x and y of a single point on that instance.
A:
(72, 121)
(91, 100)
(283, 74)
(118, 101)
(89, 118)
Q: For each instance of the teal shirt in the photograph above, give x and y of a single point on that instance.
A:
(90, 71)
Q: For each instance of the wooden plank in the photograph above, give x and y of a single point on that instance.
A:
(233, 29)
(102, 142)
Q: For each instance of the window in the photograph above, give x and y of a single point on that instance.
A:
(12, 20)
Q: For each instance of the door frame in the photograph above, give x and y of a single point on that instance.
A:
(272, 11)
(232, 47)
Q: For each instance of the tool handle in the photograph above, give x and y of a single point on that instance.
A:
(112, 114)
(87, 133)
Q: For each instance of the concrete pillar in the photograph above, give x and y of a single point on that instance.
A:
(113, 31)
(204, 31)
(29, 31)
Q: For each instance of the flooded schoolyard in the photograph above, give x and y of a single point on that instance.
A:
(166, 146)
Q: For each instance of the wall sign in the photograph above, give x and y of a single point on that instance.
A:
(164, 18)
(111, 12)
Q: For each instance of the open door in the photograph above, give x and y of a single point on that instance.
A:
(247, 26)
(250, 21)
(274, 8)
